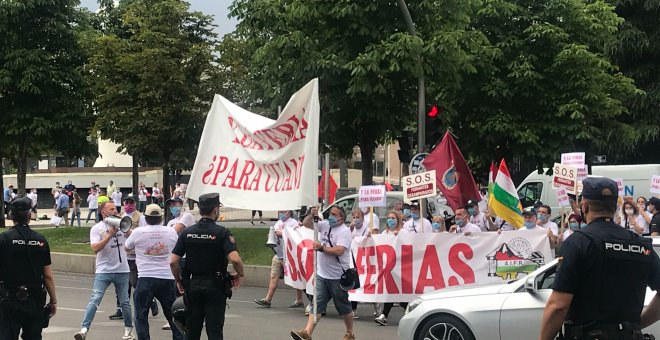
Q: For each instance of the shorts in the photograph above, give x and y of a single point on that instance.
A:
(277, 268)
(327, 289)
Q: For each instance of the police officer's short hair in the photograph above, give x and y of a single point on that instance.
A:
(603, 206)
(546, 207)
(205, 210)
(20, 216)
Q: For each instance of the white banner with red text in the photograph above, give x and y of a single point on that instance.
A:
(400, 268)
(258, 163)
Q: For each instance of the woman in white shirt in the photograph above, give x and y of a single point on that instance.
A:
(631, 219)
(574, 223)
(646, 216)
(394, 227)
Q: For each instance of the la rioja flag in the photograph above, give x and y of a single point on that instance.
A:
(454, 178)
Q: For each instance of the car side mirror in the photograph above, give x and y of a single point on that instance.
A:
(530, 284)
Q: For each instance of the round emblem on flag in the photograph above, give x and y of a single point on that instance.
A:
(450, 178)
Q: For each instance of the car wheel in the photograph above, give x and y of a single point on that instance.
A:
(444, 327)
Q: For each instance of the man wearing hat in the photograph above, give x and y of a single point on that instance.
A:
(180, 219)
(417, 223)
(477, 217)
(206, 285)
(654, 209)
(25, 275)
(600, 286)
(152, 245)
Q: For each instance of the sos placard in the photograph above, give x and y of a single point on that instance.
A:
(417, 186)
(565, 176)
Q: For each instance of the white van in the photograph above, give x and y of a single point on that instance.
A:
(636, 180)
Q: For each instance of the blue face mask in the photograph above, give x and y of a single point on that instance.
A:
(471, 211)
(460, 223)
(542, 217)
(357, 223)
(414, 216)
(332, 220)
(530, 224)
(406, 212)
(391, 223)
(281, 216)
(175, 211)
(435, 225)
(583, 225)
(573, 225)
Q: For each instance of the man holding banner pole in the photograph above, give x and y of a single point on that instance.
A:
(334, 256)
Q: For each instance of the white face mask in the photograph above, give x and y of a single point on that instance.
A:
(630, 211)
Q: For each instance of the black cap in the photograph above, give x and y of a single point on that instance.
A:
(655, 201)
(174, 200)
(20, 204)
(414, 204)
(471, 203)
(129, 198)
(593, 188)
(529, 211)
(209, 200)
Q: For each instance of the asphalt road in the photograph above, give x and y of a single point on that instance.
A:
(244, 319)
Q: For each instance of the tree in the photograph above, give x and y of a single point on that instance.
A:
(44, 97)
(153, 79)
(362, 54)
(542, 84)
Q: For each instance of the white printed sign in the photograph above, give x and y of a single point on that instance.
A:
(573, 158)
(372, 196)
(255, 162)
(621, 187)
(562, 197)
(655, 185)
(582, 172)
(400, 268)
(417, 186)
(565, 176)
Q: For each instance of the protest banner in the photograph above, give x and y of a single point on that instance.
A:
(255, 162)
(562, 197)
(620, 186)
(400, 268)
(418, 186)
(655, 185)
(372, 196)
(565, 176)
(573, 158)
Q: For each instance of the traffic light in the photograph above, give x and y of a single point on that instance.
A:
(433, 127)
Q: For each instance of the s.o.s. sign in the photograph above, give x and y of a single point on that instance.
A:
(418, 186)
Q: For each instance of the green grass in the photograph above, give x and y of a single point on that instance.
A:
(251, 243)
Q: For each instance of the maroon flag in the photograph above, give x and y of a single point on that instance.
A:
(454, 178)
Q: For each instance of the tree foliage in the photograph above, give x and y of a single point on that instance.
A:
(44, 96)
(154, 79)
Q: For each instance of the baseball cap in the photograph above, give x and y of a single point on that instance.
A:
(20, 204)
(529, 211)
(129, 197)
(173, 200)
(470, 203)
(598, 188)
(209, 200)
(153, 210)
(414, 204)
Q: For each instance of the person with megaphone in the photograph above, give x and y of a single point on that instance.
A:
(107, 239)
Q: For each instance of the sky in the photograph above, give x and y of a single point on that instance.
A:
(219, 9)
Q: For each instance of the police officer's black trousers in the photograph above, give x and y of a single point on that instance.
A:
(16, 315)
(205, 302)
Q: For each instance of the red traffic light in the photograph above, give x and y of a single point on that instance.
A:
(433, 113)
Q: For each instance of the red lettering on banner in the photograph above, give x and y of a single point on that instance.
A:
(232, 176)
(369, 287)
(291, 262)
(254, 185)
(276, 137)
(269, 176)
(406, 268)
(306, 268)
(221, 167)
(286, 185)
(247, 170)
(386, 260)
(430, 263)
(459, 266)
(208, 172)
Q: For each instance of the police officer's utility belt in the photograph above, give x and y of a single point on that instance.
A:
(603, 331)
(221, 279)
(22, 292)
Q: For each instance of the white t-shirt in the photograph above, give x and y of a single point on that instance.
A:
(639, 220)
(536, 227)
(415, 226)
(153, 245)
(93, 201)
(401, 232)
(363, 231)
(367, 218)
(552, 226)
(291, 223)
(480, 221)
(503, 225)
(567, 233)
(142, 195)
(469, 228)
(33, 197)
(116, 197)
(108, 259)
(644, 224)
(184, 218)
(328, 266)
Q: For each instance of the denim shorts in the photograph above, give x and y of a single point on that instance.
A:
(329, 289)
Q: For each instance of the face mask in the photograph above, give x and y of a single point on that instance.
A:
(435, 225)
(175, 211)
(332, 220)
(281, 216)
(583, 225)
(460, 223)
(472, 211)
(414, 216)
(542, 217)
(391, 223)
(357, 223)
(630, 211)
(129, 209)
(573, 225)
(530, 224)
(406, 212)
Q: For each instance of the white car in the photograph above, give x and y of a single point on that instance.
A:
(499, 311)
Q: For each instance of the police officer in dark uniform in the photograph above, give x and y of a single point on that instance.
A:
(205, 283)
(600, 285)
(25, 276)
(654, 209)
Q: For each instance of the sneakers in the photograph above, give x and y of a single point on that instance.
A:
(349, 336)
(154, 308)
(355, 315)
(166, 327)
(302, 335)
(81, 335)
(381, 320)
(117, 316)
(296, 304)
(128, 333)
(262, 303)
